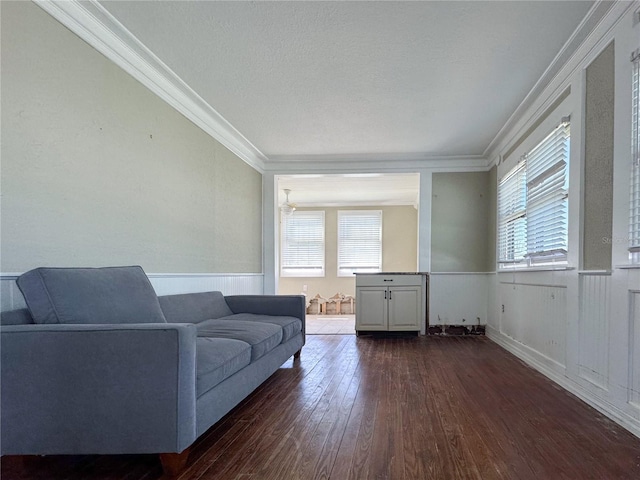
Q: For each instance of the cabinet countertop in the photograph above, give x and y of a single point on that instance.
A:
(395, 273)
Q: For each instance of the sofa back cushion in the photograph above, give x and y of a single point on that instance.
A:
(90, 295)
(194, 307)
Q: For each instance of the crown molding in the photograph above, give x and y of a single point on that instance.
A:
(376, 163)
(601, 10)
(96, 26)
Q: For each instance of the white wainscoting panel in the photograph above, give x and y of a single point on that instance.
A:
(10, 296)
(163, 283)
(493, 313)
(593, 329)
(634, 351)
(536, 317)
(227, 283)
(459, 298)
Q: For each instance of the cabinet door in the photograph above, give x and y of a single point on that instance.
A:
(371, 308)
(405, 305)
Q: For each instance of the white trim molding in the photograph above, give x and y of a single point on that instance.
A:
(96, 26)
(378, 163)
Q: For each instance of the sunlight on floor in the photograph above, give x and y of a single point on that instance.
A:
(331, 324)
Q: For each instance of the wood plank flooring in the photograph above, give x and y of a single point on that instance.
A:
(390, 408)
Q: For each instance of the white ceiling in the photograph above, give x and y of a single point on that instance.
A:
(327, 81)
(358, 78)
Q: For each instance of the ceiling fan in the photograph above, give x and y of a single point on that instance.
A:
(287, 208)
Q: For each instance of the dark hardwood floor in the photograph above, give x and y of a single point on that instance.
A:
(390, 408)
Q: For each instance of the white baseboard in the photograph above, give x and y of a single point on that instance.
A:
(558, 375)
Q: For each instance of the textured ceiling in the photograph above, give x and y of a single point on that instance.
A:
(358, 78)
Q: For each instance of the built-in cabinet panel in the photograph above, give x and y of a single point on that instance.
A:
(371, 308)
(405, 305)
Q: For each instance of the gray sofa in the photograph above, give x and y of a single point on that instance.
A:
(99, 364)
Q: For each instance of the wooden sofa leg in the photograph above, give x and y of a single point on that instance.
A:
(174, 463)
(297, 354)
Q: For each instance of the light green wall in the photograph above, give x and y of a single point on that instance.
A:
(399, 252)
(462, 219)
(97, 170)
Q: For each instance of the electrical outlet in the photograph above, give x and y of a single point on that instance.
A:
(304, 288)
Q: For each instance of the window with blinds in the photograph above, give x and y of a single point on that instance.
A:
(512, 221)
(634, 204)
(533, 204)
(547, 193)
(302, 244)
(359, 242)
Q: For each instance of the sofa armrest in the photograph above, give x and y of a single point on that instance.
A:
(284, 305)
(98, 389)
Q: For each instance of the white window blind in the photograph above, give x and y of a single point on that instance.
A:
(512, 221)
(634, 206)
(302, 244)
(547, 193)
(359, 242)
(533, 204)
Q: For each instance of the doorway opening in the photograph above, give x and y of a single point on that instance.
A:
(319, 249)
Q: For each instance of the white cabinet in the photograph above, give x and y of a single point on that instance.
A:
(372, 308)
(391, 302)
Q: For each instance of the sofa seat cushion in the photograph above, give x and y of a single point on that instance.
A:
(291, 326)
(263, 337)
(218, 359)
(90, 295)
